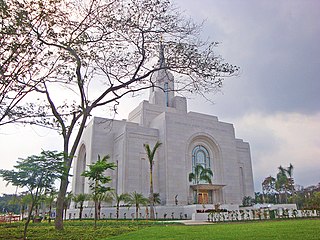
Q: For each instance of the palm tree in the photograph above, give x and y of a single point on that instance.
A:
(101, 197)
(49, 201)
(156, 199)
(151, 154)
(66, 203)
(137, 199)
(281, 183)
(285, 181)
(200, 174)
(80, 198)
(118, 199)
(26, 201)
(289, 171)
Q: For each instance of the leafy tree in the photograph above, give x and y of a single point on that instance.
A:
(314, 201)
(258, 197)
(118, 198)
(248, 201)
(96, 174)
(150, 154)
(200, 174)
(100, 56)
(37, 174)
(137, 199)
(297, 199)
(50, 199)
(79, 199)
(10, 203)
(269, 189)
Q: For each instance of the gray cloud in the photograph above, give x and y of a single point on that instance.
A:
(276, 45)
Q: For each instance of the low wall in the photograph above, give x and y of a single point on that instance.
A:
(161, 212)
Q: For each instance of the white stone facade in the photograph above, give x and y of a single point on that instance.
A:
(187, 138)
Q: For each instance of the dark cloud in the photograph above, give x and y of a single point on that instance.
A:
(276, 44)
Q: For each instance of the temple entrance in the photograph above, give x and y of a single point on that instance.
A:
(206, 193)
(203, 198)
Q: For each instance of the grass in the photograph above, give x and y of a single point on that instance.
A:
(301, 229)
(74, 230)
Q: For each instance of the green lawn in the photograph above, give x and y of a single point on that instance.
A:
(273, 230)
(304, 229)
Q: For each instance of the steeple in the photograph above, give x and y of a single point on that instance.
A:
(163, 92)
(162, 62)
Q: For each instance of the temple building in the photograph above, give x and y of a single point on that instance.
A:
(188, 139)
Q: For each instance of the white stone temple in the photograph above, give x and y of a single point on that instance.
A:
(188, 139)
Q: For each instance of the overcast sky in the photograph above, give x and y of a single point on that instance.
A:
(274, 103)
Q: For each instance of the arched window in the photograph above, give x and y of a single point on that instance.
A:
(200, 156)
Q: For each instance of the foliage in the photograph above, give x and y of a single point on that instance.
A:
(156, 198)
(96, 175)
(248, 201)
(79, 199)
(50, 200)
(118, 198)
(314, 201)
(276, 190)
(37, 174)
(66, 203)
(74, 229)
(200, 174)
(9, 203)
(137, 199)
(19, 50)
(89, 52)
(151, 155)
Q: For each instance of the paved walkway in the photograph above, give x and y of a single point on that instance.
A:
(190, 222)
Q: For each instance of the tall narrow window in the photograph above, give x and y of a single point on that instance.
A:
(166, 92)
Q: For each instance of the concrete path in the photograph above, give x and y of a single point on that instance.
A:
(190, 222)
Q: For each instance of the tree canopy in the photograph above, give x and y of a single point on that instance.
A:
(95, 52)
(96, 174)
(37, 174)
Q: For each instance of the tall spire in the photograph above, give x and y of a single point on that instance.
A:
(162, 62)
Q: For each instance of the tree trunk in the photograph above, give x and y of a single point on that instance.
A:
(151, 194)
(68, 161)
(137, 211)
(60, 200)
(99, 210)
(80, 211)
(50, 210)
(95, 213)
(28, 221)
(117, 211)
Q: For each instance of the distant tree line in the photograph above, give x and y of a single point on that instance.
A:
(281, 190)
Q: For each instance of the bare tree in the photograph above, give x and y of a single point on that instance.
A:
(18, 53)
(94, 52)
